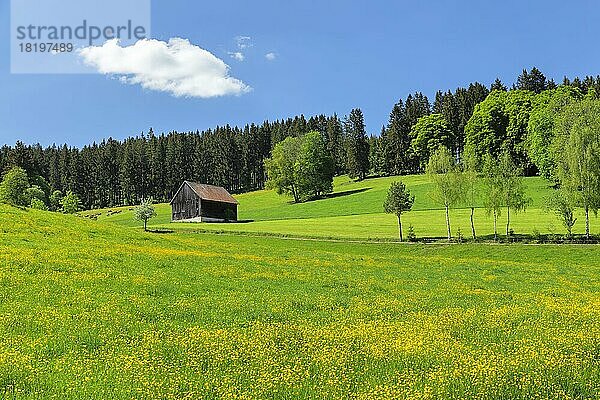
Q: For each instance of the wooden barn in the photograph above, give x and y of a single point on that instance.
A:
(203, 203)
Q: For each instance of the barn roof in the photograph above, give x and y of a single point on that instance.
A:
(209, 192)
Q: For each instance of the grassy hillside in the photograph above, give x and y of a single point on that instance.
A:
(92, 310)
(355, 210)
(426, 224)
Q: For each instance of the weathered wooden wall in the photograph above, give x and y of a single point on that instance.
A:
(186, 204)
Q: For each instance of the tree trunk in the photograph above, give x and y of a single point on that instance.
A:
(448, 222)
(507, 220)
(400, 227)
(145, 225)
(473, 224)
(587, 222)
(495, 225)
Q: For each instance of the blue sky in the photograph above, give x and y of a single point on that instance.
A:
(329, 57)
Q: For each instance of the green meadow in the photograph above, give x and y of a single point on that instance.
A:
(355, 211)
(96, 310)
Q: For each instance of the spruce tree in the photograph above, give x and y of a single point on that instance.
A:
(335, 143)
(358, 147)
(396, 143)
(533, 81)
(498, 85)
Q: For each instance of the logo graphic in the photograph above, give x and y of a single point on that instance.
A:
(47, 36)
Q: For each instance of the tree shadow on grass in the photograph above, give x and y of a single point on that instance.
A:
(334, 195)
(345, 193)
(237, 221)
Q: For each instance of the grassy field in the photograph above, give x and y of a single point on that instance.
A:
(355, 210)
(92, 310)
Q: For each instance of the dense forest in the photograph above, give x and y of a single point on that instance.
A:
(491, 120)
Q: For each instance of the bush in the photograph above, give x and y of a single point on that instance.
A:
(412, 237)
(35, 192)
(55, 200)
(70, 203)
(13, 187)
(42, 184)
(459, 236)
(38, 204)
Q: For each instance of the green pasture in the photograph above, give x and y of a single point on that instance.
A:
(355, 211)
(93, 310)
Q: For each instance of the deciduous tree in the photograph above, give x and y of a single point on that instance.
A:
(576, 150)
(13, 187)
(447, 179)
(504, 188)
(314, 167)
(70, 203)
(562, 204)
(430, 133)
(34, 192)
(144, 212)
(513, 188)
(38, 204)
(492, 193)
(281, 168)
(55, 199)
(499, 123)
(398, 201)
(470, 171)
(546, 107)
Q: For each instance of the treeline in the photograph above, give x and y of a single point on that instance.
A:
(564, 140)
(115, 172)
(493, 120)
(394, 151)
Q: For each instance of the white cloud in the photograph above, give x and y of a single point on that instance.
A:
(176, 67)
(243, 42)
(270, 56)
(238, 56)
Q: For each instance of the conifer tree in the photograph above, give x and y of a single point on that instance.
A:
(533, 81)
(358, 147)
(335, 143)
(397, 142)
(498, 85)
